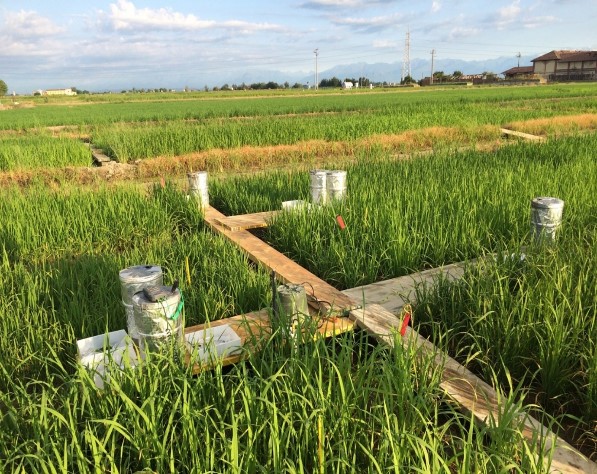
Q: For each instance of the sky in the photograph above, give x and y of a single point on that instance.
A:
(103, 45)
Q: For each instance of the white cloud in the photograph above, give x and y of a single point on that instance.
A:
(28, 24)
(536, 22)
(125, 16)
(385, 44)
(435, 6)
(26, 33)
(463, 32)
(339, 4)
(508, 15)
(369, 25)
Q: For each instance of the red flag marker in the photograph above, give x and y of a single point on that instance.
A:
(405, 322)
(340, 222)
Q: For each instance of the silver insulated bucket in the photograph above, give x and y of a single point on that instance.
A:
(318, 186)
(546, 217)
(292, 304)
(132, 280)
(159, 320)
(198, 187)
(336, 185)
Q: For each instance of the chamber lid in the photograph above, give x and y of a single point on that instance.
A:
(545, 202)
(140, 273)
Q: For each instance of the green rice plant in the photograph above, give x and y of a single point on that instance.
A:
(535, 318)
(41, 151)
(403, 216)
(530, 318)
(342, 406)
(477, 104)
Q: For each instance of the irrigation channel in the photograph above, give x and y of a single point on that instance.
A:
(374, 308)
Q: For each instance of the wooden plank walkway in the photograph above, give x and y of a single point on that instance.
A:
(470, 392)
(526, 136)
(257, 220)
(254, 329)
(322, 294)
(460, 385)
(393, 294)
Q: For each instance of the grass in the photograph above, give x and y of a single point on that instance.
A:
(443, 208)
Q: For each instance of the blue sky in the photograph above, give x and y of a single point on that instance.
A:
(99, 45)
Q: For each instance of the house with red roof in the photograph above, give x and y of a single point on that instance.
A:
(566, 65)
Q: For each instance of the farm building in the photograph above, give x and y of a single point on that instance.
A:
(520, 72)
(566, 65)
(347, 85)
(68, 91)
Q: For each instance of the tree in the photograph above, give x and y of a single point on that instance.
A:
(3, 87)
(407, 80)
(457, 74)
(333, 82)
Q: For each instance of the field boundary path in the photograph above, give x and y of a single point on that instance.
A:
(470, 393)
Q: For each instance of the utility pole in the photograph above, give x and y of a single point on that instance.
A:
(316, 78)
(518, 56)
(432, 57)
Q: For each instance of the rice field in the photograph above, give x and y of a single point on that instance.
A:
(41, 150)
(128, 129)
(529, 322)
(341, 405)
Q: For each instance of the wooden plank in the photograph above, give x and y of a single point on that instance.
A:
(470, 392)
(255, 329)
(526, 136)
(257, 220)
(99, 157)
(393, 294)
(322, 294)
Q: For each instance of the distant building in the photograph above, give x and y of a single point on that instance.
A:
(520, 72)
(566, 65)
(347, 85)
(68, 91)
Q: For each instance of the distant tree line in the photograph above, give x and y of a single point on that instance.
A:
(329, 83)
(335, 82)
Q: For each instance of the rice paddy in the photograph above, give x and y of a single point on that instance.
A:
(341, 405)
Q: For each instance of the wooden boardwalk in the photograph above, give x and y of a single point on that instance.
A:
(257, 220)
(471, 394)
(322, 294)
(255, 329)
(395, 293)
